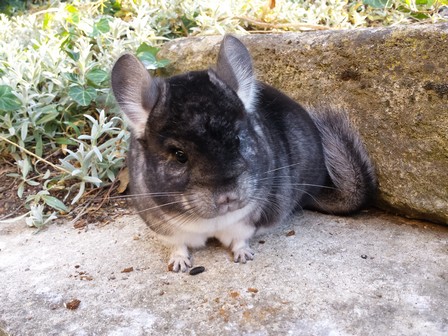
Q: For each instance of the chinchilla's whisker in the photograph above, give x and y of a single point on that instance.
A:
(147, 195)
(286, 198)
(289, 166)
(306, 193)
(159, 206)
(274, 205)
(187, 205)
(171, 217)
(162, 224)
(161, 193)
(168, 226)
(188, 217)
(256, 200)
(198, 210)
(311, 185)
(286, 183)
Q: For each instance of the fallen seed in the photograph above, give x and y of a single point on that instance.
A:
(73, 304)
(364, 256)
(197, 270)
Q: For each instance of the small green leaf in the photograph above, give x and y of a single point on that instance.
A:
(144, 47)
(8, 102)
(103, 25)
(72, 54)
(74, 14)
(148, 60)
(55, 203)
(378, 3)
(25, 168)
(419, 16)
(97, 76)
(83, 96)
(46, 175)
(98, 153)
(163, 63)
(47, 19)
(47, 117)
(24, 130)
(21, 189)
(64, 141)
(91, 179)
(39, 144)
(72, 126)
(74, 78)
(82, 188)
(147, 54)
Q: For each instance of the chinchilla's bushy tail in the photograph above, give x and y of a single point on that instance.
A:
(353, 179)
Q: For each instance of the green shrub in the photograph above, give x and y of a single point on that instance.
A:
(56, 109)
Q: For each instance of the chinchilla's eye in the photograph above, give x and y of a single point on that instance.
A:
(180, 155)
(237, 140)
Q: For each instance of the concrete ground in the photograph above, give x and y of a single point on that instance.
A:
(372, 274)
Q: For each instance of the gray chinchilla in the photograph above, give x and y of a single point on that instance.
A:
(216, 153)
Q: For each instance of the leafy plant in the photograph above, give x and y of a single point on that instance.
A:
(37, 218)
(55, 102)
(8, 101)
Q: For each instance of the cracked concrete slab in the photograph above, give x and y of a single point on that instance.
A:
(372, 274)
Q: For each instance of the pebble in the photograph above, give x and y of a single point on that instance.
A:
(197, 270)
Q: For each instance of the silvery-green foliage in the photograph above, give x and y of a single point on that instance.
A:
(54, 97)
(37, 218)
(96, 160)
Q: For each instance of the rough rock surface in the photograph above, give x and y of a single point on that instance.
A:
(392, 81)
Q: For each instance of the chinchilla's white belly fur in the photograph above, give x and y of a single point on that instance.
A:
(230, 227)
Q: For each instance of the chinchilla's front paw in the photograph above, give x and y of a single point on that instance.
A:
(243, 254)
(179, 263)
(180, 259)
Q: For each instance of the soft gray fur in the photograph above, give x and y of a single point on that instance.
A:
(216, 153)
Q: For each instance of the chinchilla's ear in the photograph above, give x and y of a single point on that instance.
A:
(135, 91)
(234, 67)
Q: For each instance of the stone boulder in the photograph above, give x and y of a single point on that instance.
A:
(392, 81)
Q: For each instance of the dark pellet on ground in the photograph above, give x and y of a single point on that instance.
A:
(197, 270)
(363, 256)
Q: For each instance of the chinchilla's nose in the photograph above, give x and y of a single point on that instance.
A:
(226, 198)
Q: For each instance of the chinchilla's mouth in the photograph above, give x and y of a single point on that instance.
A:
(230, 207)
(228, 202)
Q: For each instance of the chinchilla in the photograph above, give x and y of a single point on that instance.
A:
(216, 153)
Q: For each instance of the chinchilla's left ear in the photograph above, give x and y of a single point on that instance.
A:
(234, 67)
(135, 91)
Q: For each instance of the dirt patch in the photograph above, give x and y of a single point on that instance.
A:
(101, 205)
(10, 203)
